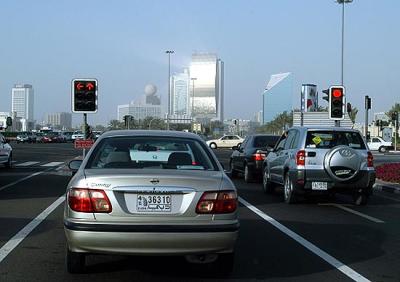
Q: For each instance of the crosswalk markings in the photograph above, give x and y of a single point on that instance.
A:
(36, 164)
(52, 164)
(27, 164)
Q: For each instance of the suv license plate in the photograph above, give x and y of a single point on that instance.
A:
(153, 203)
(319, 186)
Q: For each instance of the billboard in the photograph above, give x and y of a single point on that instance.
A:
(309, 98)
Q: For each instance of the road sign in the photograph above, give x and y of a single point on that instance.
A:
(84, 95)
(83, 143)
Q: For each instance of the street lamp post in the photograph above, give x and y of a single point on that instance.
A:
(342, 2)
(193, 79)
(151, 122)
(169, 52)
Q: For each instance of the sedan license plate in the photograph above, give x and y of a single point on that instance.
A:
(153, 203)
(319, 186)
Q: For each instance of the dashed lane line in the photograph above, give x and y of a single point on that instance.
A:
(24, 232)
(27, 164)
(342, 207)
(346, 270)
(51, 164)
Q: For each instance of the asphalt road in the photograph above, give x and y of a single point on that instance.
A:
(316, 240)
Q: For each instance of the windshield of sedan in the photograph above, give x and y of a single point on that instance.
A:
(330, 139)
(151, 152)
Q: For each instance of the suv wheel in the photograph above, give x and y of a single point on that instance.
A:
(248, 177)
(233, 171)
(268, 187)
(360, 199)
(225, 263)
(9, 162)
(382, 149)
(213, 146)
(75, 262)
(288, 190)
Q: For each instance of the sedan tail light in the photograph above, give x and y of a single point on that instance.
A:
(301, 158)
(258, 156)
(217, 202)
(370, 160)
(88, 200)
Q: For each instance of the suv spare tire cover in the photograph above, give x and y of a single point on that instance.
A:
(342, 163)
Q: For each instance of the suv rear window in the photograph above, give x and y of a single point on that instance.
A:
(330, 139)
(265, 141)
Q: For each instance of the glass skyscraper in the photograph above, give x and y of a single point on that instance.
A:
(278, 96)
(207, 93)
(180, 93)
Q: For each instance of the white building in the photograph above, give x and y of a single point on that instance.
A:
(206, 87)
(148, 105)
(59, 120)
(22, 101)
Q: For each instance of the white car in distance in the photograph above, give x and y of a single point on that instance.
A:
(226, 141)
(378, 144)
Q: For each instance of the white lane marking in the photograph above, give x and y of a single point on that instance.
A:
(349, 272)
(22, 179)
(27, 164)
(52, 164)
(386, 197)
(59, 168)
(24, 232)
(374, 219)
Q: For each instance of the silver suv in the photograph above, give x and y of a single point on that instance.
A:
(327, 160)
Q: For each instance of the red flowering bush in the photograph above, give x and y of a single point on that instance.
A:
(388, 172)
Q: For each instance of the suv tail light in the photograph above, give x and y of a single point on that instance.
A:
(370, 160)
(217, 202)
(258, 156)
(88, 200)
(301, 157)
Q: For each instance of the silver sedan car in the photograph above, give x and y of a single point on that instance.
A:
(150, 193)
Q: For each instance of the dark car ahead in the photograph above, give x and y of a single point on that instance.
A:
(248, 157)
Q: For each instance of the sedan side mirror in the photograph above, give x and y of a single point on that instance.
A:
(74, 165)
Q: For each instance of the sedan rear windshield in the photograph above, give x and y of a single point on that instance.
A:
(265, 141)
(330, 139)
(151, 152)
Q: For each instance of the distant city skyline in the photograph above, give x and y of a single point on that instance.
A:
(124, 45)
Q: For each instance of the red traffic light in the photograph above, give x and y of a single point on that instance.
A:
(337, 92)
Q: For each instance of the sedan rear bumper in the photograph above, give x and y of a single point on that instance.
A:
(151, 239)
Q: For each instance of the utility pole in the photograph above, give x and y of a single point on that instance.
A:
(169, 52)
(193, 79)
(367, 102)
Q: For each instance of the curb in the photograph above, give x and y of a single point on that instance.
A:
(387, 187)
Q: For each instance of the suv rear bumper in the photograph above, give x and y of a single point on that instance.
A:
(302, 182)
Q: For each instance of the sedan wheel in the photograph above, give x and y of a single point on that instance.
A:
(233, 171)
(213, 146)
(247, 174)
(382, 149)
(268, 187)
(9, 162)
(288, 192)
(75, 262)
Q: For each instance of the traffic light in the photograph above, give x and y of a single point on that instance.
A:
(349, 108)
(9, 121)
(326, 92)
(84, 95)
(395, 116)
(336, 102)
(367, 102)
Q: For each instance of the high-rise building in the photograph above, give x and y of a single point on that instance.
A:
(59, 120)
(22, 101)
(22, 98)
(180, 93)
(277, 96)
(206, 87)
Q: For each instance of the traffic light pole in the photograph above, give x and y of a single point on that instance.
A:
(396, 125)
(366, 123)
(85, 131)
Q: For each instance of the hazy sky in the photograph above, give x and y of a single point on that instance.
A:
(122, 44)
